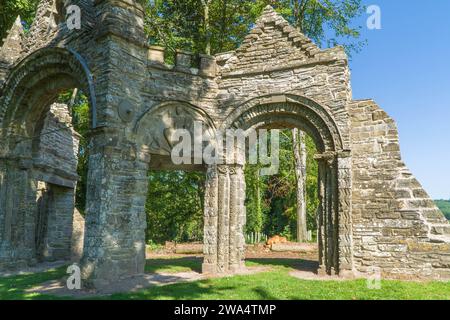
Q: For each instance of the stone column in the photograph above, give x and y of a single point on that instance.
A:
(328, 218)
(321, 219)
(211, 221)
(224, 219)
(237, 218)
(117, 180)
(345, 238)
(334, 219)
(114, 245)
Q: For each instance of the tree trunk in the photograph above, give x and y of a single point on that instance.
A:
(298, 138)
(72, 100)
(258, 201)
(207, 26)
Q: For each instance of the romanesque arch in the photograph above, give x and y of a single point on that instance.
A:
(289, 110)
(226, 184)
(39, 156)
(43, 74)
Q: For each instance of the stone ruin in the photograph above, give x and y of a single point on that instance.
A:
(373, 214)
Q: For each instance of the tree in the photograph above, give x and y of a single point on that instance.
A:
(299, 149)
(176, 24)
(175, 206)
(215, 26)
(10, 9)
(206, 24)
(327, 22)
(257, 208)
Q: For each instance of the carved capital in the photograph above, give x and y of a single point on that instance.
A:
(223, 169)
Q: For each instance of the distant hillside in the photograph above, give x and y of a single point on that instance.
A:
(444, 205)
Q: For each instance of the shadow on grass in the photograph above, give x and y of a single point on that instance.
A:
(174, 265)
(238, 287)
(13, 287)
(294, 263)
(188, 264)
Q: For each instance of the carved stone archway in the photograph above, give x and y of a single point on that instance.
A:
(225, 209)
(38, 156)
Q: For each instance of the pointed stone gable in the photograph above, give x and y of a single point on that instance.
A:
(49, 26)
(44, 22)
(12, 44)
(273, 41)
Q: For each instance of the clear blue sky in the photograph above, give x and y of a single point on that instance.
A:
(405, 68)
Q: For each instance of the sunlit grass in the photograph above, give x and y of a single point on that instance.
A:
(275, 283)
(14, 287)
(173, 265)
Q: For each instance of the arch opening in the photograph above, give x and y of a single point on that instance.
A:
(172, 176)
(284, 112)
(45, 117)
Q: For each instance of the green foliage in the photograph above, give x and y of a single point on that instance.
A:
(10, 9)
(175, 24)
(153, 246)
(327, 22)
(180, 24)
(444, 205)
(257, 209)
(278, 203)
(175, 206)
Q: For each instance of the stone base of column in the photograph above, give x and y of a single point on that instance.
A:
(347, 274)
(322, 271)
(238, 268)
(101, 273)
(209, 269)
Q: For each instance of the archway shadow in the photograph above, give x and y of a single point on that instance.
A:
(298, 264)
(194, 264)
(173, 265)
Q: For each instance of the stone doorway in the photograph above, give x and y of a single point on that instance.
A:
(39, 160)
(334, 183)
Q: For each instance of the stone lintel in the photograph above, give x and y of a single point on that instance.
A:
(55, 176)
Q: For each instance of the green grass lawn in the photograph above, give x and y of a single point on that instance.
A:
(273, 284)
